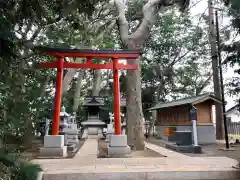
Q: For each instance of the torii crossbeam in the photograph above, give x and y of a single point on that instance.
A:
(111, 55)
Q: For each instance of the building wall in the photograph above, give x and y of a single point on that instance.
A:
(206, 133)
(173, 116)
(204, 112)
(234, 115)
(180, 115)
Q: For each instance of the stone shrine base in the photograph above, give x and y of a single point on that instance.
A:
(118, 146)
(53, 147)
(184, 149)
(60, 152)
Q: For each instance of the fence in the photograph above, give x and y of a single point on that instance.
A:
(234, 130)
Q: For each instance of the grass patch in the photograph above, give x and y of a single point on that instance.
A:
(234, 136)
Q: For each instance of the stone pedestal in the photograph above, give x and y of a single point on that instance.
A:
(73, 126)
(72, 135)
(65, 137)
(53, 147)
(110, 132)
(118, 146)
(85, 133)
(93, 130)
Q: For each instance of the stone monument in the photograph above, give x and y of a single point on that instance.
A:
(110, 129)
(70, 131)
(56, 146)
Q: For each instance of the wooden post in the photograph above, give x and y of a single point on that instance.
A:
(117, 119)
(58, 98)
(221, 81)
(215, 65)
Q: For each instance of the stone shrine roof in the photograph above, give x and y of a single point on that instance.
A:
(94, 101)
(64, 114)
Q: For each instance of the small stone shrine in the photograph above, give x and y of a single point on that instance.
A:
(93, 124)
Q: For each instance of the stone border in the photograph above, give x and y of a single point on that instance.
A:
(40, 175)
(164, 151)
(203, 175)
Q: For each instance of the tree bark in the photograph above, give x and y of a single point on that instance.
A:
(135, 41)
(97, 83)
(134, 113)
(69, 77)
(76, 99)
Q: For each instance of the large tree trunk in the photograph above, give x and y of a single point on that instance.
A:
(97, 83)
(134, 114)
(69, 77)
(76, 99)
(135, 41)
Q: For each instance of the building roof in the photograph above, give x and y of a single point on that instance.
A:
(94, 101)
(232, 108)
(189, 100)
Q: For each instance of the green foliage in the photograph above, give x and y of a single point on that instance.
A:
(175, 59)
(233, 50)
(26, 95)
(16, 168)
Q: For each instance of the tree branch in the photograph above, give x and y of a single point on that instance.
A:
(35, 34)
(28, 28)
(149, 12)
(122, 21)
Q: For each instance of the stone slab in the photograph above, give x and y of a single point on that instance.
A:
(53, 141)
(185, 149)
(85, 133)
(73, 141)
(71, 147)
(71, 131)
(53, 152)
(73, 126)
(119, 151)
(118, 140)
(72, 137)
(86, 165)
(93, 130)
(164, 151)
(143, 175)
(65, 137)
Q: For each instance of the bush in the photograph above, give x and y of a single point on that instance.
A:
(16, 168)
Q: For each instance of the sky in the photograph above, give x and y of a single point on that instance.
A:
(196, 11)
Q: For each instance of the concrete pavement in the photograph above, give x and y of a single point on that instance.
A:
(86, 165)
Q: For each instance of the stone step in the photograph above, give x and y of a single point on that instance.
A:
(137, 175)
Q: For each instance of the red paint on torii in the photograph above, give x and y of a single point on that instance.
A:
(60, 64)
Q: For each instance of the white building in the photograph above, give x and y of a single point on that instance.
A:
(233, 114)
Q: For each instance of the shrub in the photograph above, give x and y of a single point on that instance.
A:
(17, 168)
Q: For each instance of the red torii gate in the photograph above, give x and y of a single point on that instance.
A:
(60, 64)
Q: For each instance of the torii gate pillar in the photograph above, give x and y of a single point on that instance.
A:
(54, 144)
